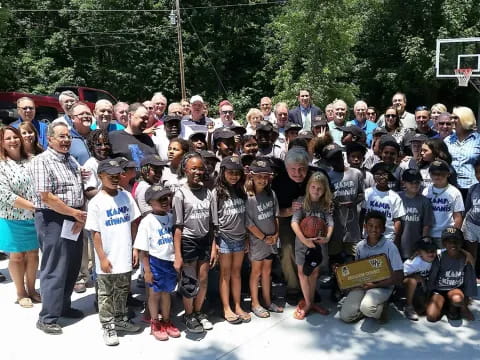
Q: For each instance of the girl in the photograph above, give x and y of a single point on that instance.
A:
(317, 202)
(194, 252)
(229, 221)
(416, 270)
(151, 168)
(434, 149)
(98, 145)
(451, 279)
(262, 223)
(30, 138)
(176, 149)
(249, 145)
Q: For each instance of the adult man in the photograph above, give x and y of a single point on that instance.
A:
(266, 108)
(120, 113)
(159, 106)
(103, 115)
(422, 118)
(197, 121)
(67, 99)
(340, 110)
(26, 112)
(444, 125)
(399, 101)
(81, 121)
(151, 114)
(281, 114)
(227, 116)
(59, 221)
(163, 135)
(131, 142)
(305, 112)
(187, 110)
(360, 111)
(329, 112)
(175, 109)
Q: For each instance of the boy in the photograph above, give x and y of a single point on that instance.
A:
(381, 198)
(110, 216)
(389, 154)
(369, 300)
(151, 169)
(419, 214)
(355, 157)
(446, 199)
(155, 242)
(223, 142)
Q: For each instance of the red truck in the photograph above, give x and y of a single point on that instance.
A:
(48, 108)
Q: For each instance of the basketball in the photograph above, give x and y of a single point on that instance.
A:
(313, 226)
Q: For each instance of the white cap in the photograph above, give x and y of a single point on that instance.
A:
(196, 98)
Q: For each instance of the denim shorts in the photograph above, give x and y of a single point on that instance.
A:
(227, 246)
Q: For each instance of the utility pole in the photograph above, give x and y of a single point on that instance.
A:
(180, 51)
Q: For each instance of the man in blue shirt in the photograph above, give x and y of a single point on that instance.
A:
(67, 99)
(360, 111)
(103, 115)
(26, 112)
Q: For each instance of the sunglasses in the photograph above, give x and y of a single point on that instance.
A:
(227, 112)
(390, 116)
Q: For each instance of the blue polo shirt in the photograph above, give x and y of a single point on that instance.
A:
(368, 127)
(41, 128)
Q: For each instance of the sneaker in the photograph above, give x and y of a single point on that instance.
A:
(131, 301)
(171, 330)
(193, 325)
(410, 313)
(73, 313)
(126, 326)
(51, 329)
(158, 330)
(202, 318)
(80, 287)
(110, 335)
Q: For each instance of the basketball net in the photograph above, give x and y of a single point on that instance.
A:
(463, 76)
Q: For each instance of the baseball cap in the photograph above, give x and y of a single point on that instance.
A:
(319, 121)
(331, 150)
(411, 175)
(356, 146)
(154, 160)
(232, 163)
(171, 118)
(237, 129)
(425, 244)
(223, 133)
(381, 166)
(196, 98)
(156, 192)
(354, 130)
(199, 134)
(379, 131)
(305, 134)
(292, 126)
(125, 163)
(208, 155)
(389, 140)
(452, 233)
(261, 166)
(418, 137)
(110, 167)
(265, 126)
(439, 166)
(313, 259)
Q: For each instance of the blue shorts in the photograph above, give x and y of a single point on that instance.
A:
(227, 246)
(164, 275)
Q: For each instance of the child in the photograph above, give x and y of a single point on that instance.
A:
(446, 199)
(262, 223)
(99, 146)
(229, 220)
(317, 202)
(416, 270)
(381, 198)
(369, 300)
(176, 150)
(356, 158)
(419, 214)
(223, 142)
(249, 145)
(155, 242)
(151, 168)
(389, 154)
(471, 224)
(451, 279)
(194, 252)
(111, 214)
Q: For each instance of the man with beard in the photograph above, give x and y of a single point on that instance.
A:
(340, 111)
(103, 115)
(399, 101)
(305, 112)
(131, 142)
(162, 136)
(67, 99)
(266, 147)
(120, 113)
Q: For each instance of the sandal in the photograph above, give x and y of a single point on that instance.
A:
(320, 309)
(261, 312)
(233, 319)
(245, 317)
(36, 298)
(275, 308)
(300, 313)
(24, 302)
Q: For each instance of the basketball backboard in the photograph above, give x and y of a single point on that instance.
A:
(458, 53)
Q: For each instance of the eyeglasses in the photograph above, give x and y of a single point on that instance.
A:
(446, 123)
(421, 108)
(63, 137)
(25, 108)
(390, 116)
(83, 114)
(370, 113)
(227, 112)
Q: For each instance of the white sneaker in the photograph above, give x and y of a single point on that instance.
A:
(202, 319)
(110, 335)
(410, 313)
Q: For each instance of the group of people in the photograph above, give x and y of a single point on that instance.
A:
(175, 192)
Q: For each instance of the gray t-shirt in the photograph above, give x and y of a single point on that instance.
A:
(472, 205)
(301, 214)
(192, 209)
(384, 246)
(140, 197)
(419, 213)
(229, 216)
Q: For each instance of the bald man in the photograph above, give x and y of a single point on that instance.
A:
(103, 113)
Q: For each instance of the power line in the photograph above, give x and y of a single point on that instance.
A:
(140, 42)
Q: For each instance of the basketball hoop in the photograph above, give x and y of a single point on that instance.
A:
(463, 76)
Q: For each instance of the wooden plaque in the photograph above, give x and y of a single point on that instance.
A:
(357, 273)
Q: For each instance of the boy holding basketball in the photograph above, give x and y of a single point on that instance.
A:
(370, 299)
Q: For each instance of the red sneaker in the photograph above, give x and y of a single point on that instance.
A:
(158, 330)
(171, 330)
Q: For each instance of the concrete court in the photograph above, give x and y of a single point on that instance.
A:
(279, 337)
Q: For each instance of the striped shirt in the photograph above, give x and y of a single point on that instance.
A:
(464, 153)
(58, 174)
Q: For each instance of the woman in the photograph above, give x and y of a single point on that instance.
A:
(435, 149)
(435, 111)
(30, 138)
(464, 146)
(19, 237)
(393, 125)
(254, 116)
(372, 114)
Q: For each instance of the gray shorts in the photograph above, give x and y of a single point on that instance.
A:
(471, 232)
(300, 251)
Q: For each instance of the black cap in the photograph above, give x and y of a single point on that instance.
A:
(265, 126)
(418, 137)
(154, 160)
(452, 233)
(171, 118)
(292, 126)
(156, 192)
(223, 133)
(331, 150)
(425, 244)
(232, 163)
(125, 163)
(412, 175)
(208, 155)
(305, 134)
(381, 166)
(198, 135)
(261, 166)
(354, 130)
(319, 121)
(356, 146)
(109, 166)
(389, 140)
(237, 129)
(439, 166)
(313, 259)
(379, 131)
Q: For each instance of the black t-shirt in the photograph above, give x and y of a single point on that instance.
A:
(133, 147)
